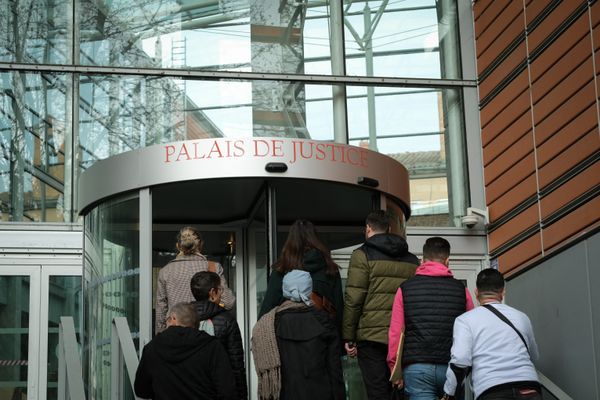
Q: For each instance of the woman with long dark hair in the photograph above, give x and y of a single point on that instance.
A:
(304, 250)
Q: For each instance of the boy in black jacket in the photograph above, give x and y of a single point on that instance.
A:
(184, 363)
(217, 321)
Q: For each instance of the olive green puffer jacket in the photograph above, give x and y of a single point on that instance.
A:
(376, 270)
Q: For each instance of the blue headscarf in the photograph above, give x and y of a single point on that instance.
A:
(297, 286)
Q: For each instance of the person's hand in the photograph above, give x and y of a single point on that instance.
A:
(398, 384)
(351, 349)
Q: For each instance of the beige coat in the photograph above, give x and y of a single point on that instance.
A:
(173, 286)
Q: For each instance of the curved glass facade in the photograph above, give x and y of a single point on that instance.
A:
(111, 284)
(405, 39)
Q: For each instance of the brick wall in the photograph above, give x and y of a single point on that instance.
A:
(538, 63)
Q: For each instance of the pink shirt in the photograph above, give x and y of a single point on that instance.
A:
(429, 268)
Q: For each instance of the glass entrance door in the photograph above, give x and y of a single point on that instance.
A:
(243, 222)
(19, 333)
(60, 296)
(32, 300)
(257, 263)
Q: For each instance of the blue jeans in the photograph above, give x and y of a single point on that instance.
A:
(424, 381)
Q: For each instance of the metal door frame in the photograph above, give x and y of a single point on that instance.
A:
(33, 361)
(46, 273)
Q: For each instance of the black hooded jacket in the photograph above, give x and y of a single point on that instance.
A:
(184, 363)
(228, 332)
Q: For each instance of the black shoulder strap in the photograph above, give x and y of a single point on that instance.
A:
(503, 318)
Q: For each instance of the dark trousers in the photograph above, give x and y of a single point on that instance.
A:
(512, 393)
(374, 369)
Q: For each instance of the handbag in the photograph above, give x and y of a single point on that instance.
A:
(323, 303)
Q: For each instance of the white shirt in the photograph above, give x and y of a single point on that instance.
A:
(492, 348)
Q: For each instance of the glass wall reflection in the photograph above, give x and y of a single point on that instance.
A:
(36, 32)
(119, 114)
(111, 279)
(421, 128)
(424, 130)
(409, 38)
(35, 140)
(234, 35)
(237, 35)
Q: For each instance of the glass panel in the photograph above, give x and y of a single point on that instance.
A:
(65, 299)
(36, 32)
(410, 38)
(111, 276)
(35, 133)
(257, 259)
(14, 336)
(119, 114)
(234, 35)
(424, 130)
(258, 254)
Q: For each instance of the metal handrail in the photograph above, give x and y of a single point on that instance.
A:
(122, 349)
(70, 380)
(552, 388)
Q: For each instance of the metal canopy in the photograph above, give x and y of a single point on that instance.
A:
(230, 173)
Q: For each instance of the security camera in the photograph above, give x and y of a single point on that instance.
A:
(473, 217)
(469, 221)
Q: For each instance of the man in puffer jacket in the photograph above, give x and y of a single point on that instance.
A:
(424, 311)
(217, 321)
(376, 270)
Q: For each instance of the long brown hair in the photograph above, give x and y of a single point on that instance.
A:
(301, 238)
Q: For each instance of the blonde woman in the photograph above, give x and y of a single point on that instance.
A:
(174, 279)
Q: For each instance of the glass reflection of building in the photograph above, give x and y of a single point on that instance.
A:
(85, 80)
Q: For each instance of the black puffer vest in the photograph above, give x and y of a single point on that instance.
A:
(431, 304)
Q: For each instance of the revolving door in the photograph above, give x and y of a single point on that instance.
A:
(243, 214)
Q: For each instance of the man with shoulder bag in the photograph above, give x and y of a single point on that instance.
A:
(494, 343)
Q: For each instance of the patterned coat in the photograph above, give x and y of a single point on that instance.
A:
(173, 285)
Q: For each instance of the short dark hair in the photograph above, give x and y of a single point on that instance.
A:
(186, 315)
(490, 280)
(202, 282)
(436, 248)
(379, 221)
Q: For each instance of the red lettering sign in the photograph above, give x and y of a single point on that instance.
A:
(294, 150)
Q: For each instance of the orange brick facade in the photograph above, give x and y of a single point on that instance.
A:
(538, 63)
